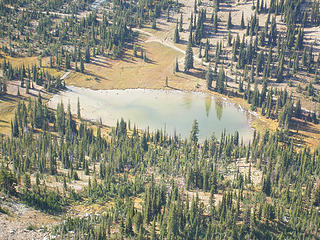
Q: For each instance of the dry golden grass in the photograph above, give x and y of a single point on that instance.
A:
(53, 71)
(30, 61)
(138, 203)
(84, 208)
(306, 134)
(27, 61)
(260, 123)
(130, 72)
(7, 108)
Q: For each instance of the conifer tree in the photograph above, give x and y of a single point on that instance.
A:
(280, 71)
(206, 51)
(26, 181)
(200, 50)
(240, 86)
(135, 50)
(188, 63)
(209, 77)
(263, 92)
(229, 23)
(195, 9)
(299, 40)
(8, 181)
(15, 127)
(81, 66)
(229, 39)
(260, 63)
(27, 86)
(173, 227)
(176, 37)
(215, 22)
(216, 5)
(266, 185)
(194, 134)
(78, 109)
(153, 231)
(273, 32)
(68, 64)
(242, 24)
(316, 194)
(220, 81)
(154, 23)
(177, 66)
(87, 55)
(145, 59)
(181, 23)
(298, 110)
(315, 13)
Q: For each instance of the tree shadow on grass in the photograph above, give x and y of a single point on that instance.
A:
(150, 61)
(306, 126)
(8, 98)
(173, 88)
(128, 59)
(96, 77)
(98, 63)
(182, 42)
(101, 62)
(227, 8)
(197, 72)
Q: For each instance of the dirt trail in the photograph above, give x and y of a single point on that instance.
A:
(153, 38)
(164, 41)
(65, 75)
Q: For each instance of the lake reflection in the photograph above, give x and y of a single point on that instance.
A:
(158, 109)
(219, 108)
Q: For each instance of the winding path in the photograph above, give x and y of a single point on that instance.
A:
(165, 42)
(65, 75)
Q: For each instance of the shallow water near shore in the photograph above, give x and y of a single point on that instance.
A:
(172, 111)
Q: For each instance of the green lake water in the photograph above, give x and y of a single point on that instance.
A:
(172, 111)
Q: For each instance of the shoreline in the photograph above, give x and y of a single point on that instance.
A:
(242, 104)
(251, 117)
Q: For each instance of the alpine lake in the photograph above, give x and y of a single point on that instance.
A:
(172, 111)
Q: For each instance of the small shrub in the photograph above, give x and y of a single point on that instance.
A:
(4, 211)
(31, 228)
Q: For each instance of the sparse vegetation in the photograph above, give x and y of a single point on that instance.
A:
(4, 211)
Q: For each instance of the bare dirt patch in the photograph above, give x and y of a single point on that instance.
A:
(23, 222)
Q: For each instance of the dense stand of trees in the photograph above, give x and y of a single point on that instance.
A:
(68, 37)
(262, 53)
(161, 170)
(263, 56)
(28, 77)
